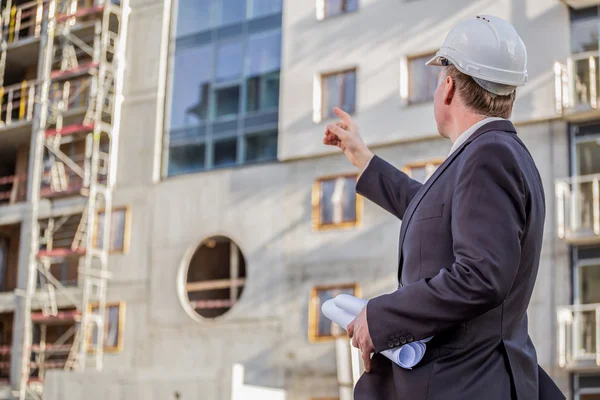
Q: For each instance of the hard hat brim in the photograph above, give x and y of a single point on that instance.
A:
(435, 61)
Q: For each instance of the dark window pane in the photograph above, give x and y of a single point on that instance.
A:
(333, 7)
(192, 74)
(261, 147)
(351, 5)
(225, 152)
(184, 159)
(339, 90)
(338, 200)
(229, 61)
(327, 206)
(349, 200)
(232, 11)
(193, 16)
(584, 29)
(422, 79)
(261, 8)
(264, 54)
(349, 92)
(227, 101)
(588, 157)
(112, 331)
(263, 92)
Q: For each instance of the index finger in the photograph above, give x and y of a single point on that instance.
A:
(344, 116)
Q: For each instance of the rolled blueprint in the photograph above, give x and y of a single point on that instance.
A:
(406, 356)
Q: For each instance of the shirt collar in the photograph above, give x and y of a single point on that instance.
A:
(469, 132)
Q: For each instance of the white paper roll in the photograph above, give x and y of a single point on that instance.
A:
(344, 308)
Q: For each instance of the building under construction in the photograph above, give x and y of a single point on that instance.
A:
(170, 222)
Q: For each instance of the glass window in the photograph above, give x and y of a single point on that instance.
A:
(191, 86)
(319, 326)
(194, 16)
(229, 61)
(339, 90)
(113, 328)
(422, 79)
(261, 146)
(264, 54)
(215, 280)
(420, 172)
(227, 101)
(186, 159)
(262, 92)
(261, 8)
(118, 230)
(588, 157)
(225, 152)
(335, 202)
(584, 29)
(232, 11)
(336, 7)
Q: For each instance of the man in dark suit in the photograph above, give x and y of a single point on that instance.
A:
(470, 240)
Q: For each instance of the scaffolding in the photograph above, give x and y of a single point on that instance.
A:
(76, 100)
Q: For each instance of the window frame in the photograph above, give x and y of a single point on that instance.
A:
(314, 309)
(406, 78)
(91, 348)
(409, 167)
(316, 205)
(126, 229)
(323, 76)
(321, 10)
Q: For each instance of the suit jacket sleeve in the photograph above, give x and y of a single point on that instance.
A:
(488, 220)
(386, 186)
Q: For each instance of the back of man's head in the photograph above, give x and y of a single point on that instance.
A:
(477, 99)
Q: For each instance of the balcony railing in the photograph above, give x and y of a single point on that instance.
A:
(578, 209)
(577, 83)
(23, 21)
(579, 336)
(17, 102)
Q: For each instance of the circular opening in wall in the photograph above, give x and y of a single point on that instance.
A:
(216, 277)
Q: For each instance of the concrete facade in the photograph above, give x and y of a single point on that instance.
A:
(266, 209)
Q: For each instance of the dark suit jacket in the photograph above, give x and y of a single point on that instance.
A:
(470, 248)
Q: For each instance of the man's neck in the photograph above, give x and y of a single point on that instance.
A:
(462, 124)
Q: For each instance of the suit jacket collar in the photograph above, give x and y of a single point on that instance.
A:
(499, 125)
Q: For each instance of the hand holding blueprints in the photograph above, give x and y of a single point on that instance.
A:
(344, 308)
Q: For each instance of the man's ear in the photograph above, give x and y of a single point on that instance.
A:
(449, 90)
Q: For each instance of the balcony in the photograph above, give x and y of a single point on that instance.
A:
(578, 209)
(577, 86)
(579, 337)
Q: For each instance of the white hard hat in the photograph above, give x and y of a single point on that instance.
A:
(488, 49)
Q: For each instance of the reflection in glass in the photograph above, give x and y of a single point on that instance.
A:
(194, 16)
(339, 90)
(262, 92)
(336, 7)
(264, 54)
(191, 86)
(261, 8)
(584, 29)
(422, 80)
(186, 159)
(225, 152)
(229, 61)
(227, 101)
(338, 200)
(232, 11)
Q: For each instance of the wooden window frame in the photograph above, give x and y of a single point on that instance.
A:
(120, 335)
(314, 309)
(342, 89)
(407, 169)
(126, 229)
(409, 59)
(316, 205)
